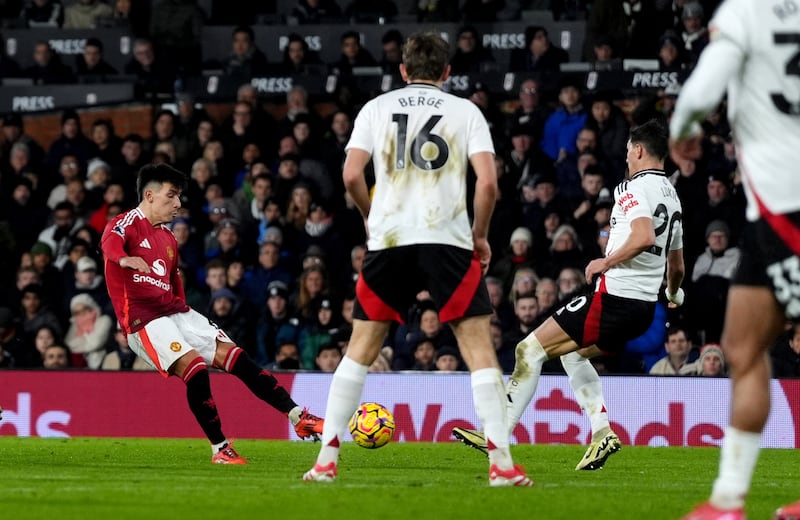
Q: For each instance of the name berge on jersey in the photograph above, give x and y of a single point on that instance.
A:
(420, 101)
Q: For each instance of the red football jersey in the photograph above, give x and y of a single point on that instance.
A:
(139, 298)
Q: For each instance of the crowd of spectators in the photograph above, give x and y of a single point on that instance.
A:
(271, 245)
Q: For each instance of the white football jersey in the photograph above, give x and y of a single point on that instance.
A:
(649, 194)
(754, 55)
(420, 139)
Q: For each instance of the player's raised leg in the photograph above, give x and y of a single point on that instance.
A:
(263, 384)
(345, 394)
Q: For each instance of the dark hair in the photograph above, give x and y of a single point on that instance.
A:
(94, 42)
(160, 174)
(674, 329)
(244, 29)
(134, 138)
(350, 34)
(64, 205)
(426, 56)
(392, 35)
(652, 135)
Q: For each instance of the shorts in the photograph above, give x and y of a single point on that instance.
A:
(769, 261)
(165, 340)
(605, 320)
(391, 278)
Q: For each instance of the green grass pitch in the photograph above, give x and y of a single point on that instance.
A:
(87, 478)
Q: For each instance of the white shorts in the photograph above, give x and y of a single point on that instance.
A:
(165, 340)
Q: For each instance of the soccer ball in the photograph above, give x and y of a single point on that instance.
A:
(372, 426)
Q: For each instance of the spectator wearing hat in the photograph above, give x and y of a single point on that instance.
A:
(447, 359)
(226, 311)
(88, 280)
(711, 362)
(26, 216)
(671, 53)
(89, 333)
(90, 67)
(470, 56)
(71, 141)
(519, 253)
(267, 270)
(711, 277)
(321, 231)
(566, 250)
(318, 330)
(522, 161)
(695, 34)
(98, 175)
(562, 126)
(13, 131)
(276, 323)
(539, 55)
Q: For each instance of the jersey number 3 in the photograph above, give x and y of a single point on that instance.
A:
(423, 138)
(791, 108)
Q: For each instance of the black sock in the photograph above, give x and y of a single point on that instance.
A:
(201, 402)
(259, 381)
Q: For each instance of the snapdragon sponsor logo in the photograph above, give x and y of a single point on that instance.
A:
(143, 278)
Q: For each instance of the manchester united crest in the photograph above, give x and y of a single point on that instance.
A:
(170, 253)
(175, 346)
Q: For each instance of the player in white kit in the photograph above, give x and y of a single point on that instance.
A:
(754, 56)
(646, 234)
(420, 141)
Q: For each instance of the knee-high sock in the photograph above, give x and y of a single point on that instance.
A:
(261, 382)
(736, 464)
(201, 403)
(343, 398)
(489, 398)
(585, 383)
(523, 382)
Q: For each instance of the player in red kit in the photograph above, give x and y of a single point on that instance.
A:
(141, 267)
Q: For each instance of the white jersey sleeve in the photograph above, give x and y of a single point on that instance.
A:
(647, 195)
(420, 139)
(754, 55)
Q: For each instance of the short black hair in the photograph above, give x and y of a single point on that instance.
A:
(159, 173)
(94, 42)
(653, 136)
(244, 29)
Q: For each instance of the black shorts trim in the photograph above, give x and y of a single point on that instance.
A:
(391, 279)
(605, 320)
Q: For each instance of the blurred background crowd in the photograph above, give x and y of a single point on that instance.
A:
(271, 246)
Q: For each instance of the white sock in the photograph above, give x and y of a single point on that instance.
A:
(343, 399)
(216, 448)
(585, 383)
(489, 398)
(525, 378)
(736, 464)
(294, 415)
